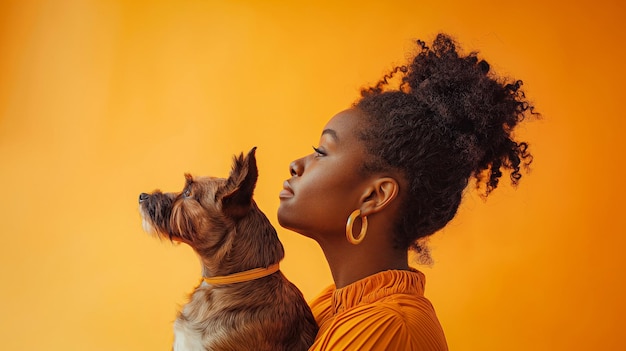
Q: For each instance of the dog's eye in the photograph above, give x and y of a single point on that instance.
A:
(187, 192)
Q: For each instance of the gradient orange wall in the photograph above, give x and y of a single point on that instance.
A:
(101, 100)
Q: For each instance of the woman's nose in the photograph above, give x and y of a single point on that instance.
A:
(296, 167)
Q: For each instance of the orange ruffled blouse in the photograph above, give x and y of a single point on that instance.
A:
(386, 311)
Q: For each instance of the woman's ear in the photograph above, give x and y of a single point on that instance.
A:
(378, 195)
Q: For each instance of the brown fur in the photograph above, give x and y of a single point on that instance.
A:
(219, 219)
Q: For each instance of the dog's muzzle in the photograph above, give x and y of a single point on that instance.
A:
(143, 197)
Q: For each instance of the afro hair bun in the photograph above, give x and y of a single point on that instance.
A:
(447, 119)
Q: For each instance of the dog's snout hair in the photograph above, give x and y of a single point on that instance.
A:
(219, 219)
(156, 209)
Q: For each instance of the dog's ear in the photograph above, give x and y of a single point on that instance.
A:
(236, 196)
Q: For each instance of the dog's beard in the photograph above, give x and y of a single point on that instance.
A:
(155, 211)
(174, 223)
(150, 227)
(146, 223)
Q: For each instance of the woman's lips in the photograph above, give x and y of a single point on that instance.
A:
(287, 192)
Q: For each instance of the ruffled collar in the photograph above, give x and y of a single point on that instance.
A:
(378, 286)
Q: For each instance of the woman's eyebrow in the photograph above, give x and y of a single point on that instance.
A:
(332, 133)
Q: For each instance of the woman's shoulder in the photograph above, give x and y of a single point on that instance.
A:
(396, 322)
(395, 308)
(385, 311)
(390, 296)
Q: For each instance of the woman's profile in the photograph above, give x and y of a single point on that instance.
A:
(387, 173)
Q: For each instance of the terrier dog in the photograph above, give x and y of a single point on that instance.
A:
(243, 301)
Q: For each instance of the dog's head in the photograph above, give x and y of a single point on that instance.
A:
(208, 211)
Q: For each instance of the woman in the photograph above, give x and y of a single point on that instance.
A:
(389, 172)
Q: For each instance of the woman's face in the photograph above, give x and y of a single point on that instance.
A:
(327, 185)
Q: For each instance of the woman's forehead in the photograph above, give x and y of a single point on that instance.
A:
(344, 125)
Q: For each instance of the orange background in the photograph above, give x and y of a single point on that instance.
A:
(101, 100)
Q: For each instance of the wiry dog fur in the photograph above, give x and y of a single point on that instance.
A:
(219, 219)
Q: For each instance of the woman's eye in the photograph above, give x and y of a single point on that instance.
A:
(318, 152)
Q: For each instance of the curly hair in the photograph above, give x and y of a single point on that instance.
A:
(447, 119)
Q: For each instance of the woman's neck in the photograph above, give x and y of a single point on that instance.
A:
(349, 263)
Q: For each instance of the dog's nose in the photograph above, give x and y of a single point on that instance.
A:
(143, 197)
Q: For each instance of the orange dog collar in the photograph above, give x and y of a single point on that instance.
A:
(244, 276)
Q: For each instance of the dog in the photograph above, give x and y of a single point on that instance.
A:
(243, 301)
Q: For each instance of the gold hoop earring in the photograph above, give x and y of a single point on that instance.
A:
(351, 239)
